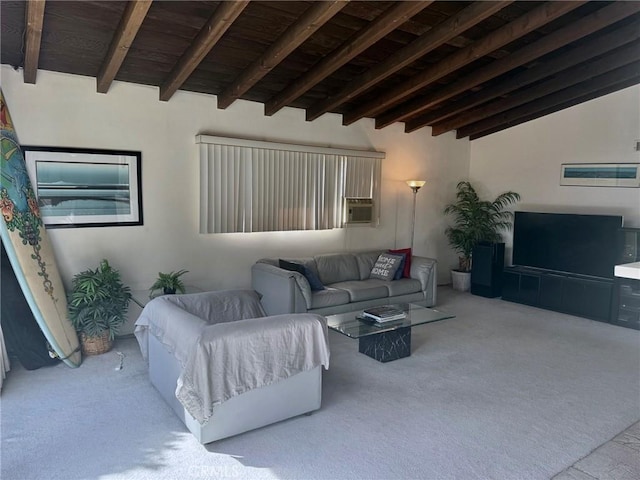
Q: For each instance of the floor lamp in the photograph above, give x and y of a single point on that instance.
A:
(415, 185)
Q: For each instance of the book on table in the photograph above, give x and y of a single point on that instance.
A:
(384, 313)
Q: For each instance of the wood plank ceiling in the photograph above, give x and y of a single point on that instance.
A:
(473, 67)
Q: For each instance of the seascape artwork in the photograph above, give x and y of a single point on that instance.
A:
(80, 189)
(86, 188)
(601, 175)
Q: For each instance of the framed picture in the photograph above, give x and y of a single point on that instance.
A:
(86, 188)
(601, 174)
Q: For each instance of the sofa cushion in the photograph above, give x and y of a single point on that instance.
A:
(366, 261)
(386, 266)
(340, 267)
(306, 261)
(406, 272)
(404, 286)
(329, 297)
(360, 290)
(310, 275)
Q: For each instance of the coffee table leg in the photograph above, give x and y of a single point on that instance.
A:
(387, 346)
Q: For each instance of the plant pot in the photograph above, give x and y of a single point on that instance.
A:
(96, 345)
(169, 291)
(461, 281)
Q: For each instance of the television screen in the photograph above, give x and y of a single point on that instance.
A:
(583, 244)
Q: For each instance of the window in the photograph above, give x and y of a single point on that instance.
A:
(254, 186)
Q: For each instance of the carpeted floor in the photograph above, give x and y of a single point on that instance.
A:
(503, 391)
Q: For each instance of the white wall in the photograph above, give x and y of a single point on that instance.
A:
(65, 111)
(527, 158)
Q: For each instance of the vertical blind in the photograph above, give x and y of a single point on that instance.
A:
(256, 186)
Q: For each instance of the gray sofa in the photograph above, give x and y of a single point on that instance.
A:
(347, 284)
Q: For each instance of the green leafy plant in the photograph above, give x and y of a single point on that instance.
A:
(168, 282)
(98, 301)
(477, 221)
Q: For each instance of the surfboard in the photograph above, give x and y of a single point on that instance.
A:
(29, 248)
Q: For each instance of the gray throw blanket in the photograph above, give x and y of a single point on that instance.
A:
(224, 350)
(232, 358)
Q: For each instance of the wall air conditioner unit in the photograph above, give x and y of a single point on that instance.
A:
(359, 210)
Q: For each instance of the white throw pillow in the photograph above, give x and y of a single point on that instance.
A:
(386, 266)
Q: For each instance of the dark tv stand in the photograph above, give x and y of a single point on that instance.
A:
(580, 295)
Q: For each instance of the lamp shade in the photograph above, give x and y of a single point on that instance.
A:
(415, 184)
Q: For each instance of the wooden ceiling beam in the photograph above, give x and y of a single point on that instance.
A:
(581, 28)
(432, 39)
(613, 77)
(222, 18)
(572, 76)
(556, 108)
(590, 49)
(33, 37)
(498, 38)
(130, 23)
(384, 24)
(316, 15)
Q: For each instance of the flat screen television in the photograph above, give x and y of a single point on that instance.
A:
(570, 243)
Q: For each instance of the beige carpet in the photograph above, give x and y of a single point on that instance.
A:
(503, 391)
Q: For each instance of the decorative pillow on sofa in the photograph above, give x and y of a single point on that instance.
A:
(400, 272)
(406, 268)
(312, 278)
(386, 266)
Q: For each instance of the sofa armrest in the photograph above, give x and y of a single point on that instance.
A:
(282, 291)
(425, 270)
(174, 327)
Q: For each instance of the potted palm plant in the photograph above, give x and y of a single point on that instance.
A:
(475, 221)
(169, 283)
(98, 305)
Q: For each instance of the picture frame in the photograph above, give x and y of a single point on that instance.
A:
(600, 175)
(78, 187)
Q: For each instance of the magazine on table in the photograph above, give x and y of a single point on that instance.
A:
(384, 313)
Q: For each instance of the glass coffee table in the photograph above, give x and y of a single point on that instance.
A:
(389, 340)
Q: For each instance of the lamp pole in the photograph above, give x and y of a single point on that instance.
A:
(415, 185)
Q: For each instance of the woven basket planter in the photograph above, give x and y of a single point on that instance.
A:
(96, 345)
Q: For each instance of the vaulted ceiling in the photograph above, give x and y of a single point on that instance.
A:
(473, 67)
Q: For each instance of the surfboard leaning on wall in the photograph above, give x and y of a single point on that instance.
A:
(29, 248)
